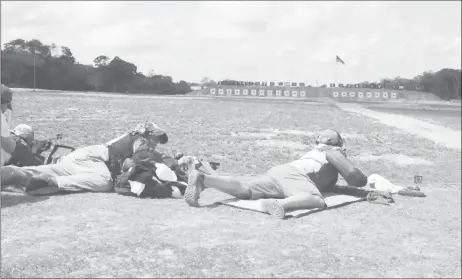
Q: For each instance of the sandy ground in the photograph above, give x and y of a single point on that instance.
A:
(442, 135)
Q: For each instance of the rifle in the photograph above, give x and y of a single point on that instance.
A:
(41, 146)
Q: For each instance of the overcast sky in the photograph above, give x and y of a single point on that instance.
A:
(280, 41)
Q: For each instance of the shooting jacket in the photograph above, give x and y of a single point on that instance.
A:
(118, 151)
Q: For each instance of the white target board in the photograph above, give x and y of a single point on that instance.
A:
(253, 92)
(302, 94)
(393, 95)
(335, 94)
(369, 94)
(245, 92)
(261, 92)
(237, 92)
(286, 93)
(352, 94)
(294, 93)
(229, 91)
(344, 94)
(385, 95)
(269, 93)
(278, 92)
(360, 94)
(213, 91)
(221, 91)
(377, 95)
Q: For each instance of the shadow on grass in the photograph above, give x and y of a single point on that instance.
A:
(213, 205)
(348, 190)
(12, 196)
(12, 200)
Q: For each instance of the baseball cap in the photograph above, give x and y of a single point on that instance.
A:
(25, 132)
(151, 128)
(329, 137)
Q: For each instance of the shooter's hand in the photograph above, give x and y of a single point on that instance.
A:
(40, 146)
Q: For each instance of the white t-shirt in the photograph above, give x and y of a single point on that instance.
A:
(5, 133)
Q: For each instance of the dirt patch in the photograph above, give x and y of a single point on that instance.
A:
(310, 133)
(112, 95)
(298, 132)
(396, 159)
(281, 144)
(266, 135)
(442, 135)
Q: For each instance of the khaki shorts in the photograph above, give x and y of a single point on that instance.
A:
(281, 182)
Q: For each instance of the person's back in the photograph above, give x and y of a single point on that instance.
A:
(8, 143)
(317, 167)
(327, 160)
(6, 100)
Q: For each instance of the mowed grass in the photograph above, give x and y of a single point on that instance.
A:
(107, 235)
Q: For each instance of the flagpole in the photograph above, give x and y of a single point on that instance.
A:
(335, 74)
(34, 69)
(317, 88)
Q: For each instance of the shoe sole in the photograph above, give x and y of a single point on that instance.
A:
(191, 195)
(274, 209)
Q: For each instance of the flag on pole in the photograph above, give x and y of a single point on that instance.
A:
(338, 60)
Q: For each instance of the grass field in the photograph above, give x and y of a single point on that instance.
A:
(107, 235)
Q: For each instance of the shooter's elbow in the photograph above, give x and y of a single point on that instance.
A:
(356, 178)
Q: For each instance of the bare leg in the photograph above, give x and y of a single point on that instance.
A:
(278, 208)
(302, 202)
(198, 181)
(228, 185)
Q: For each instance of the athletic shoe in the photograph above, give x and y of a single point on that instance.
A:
(274, 208)
(194, 189)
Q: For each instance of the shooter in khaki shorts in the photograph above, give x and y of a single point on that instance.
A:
(91, 168)
(288, 187)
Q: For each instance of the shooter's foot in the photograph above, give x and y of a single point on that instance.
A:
(194, 189)
(274, 208)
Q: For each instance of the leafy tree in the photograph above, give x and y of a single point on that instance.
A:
(66, 55)
(101, 60)
(206, 81)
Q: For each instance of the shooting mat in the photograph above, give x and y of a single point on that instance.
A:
(333, 200)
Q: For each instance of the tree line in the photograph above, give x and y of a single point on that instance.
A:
(57, 69)
(445, 83)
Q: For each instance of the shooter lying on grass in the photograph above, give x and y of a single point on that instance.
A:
(93, 168)
(288, 187)
(150, 174)
(28, 150)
